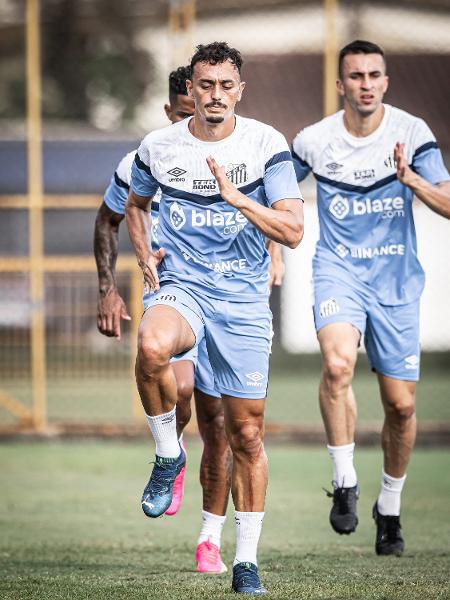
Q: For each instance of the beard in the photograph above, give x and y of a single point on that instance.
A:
(215, 119)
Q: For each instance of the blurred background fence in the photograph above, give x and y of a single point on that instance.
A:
(81, 82)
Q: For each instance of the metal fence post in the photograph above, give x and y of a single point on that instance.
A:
(330, 98)
(35, 215)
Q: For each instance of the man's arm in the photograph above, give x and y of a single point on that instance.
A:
(436, 197)
(276, 268)
(283, 225)
(110, 308)
(139, 224)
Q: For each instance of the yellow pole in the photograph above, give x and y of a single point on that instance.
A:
(330, 98)
(35, 215)
(181, 27)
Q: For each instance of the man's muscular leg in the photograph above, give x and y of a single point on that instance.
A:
(216, 463)
(215, 479)
(398, 437)
(163, 333)
(339, 344)
(244, 422)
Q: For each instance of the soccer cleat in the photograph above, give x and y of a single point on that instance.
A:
(157, 496)
(389, 538)
(246, 579)
(208, 558)
(178, 487)
(343, 517)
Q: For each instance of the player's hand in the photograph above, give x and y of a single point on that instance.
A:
(150, 270)
(110, 310)
(404, 173)
(227, 190)
(276, 270)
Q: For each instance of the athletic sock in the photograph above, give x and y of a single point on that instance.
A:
(164, 430)
(212, 526)
(389, 500)
(248, 530)
(344, 474)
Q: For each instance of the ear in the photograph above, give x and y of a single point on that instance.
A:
(189, 87)
(386, 85)
(340, 87)
(241, 89)
(168, 110)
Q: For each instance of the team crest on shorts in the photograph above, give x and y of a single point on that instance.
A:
(329, 307)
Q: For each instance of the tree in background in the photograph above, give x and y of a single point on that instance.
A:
(92, 69)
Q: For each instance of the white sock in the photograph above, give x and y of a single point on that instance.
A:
(164, 430)
(212, 526)
(389, 500)
(248, 530)
(344, 474)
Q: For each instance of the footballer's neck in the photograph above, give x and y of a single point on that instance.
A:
(362, 125)
(211, 132)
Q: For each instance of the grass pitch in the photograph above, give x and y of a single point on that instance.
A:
(71, 528)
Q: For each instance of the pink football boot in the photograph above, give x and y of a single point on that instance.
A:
(208, 558)
(178, 488)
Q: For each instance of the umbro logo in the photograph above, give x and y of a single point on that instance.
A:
(412, 362)
(333, 167)
(177, 173)
(255, 379)
(255, 376)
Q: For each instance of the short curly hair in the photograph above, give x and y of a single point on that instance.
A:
(217, 52)
(177, 82)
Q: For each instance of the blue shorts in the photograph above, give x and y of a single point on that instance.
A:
(391, 333)
(204, 376)
(237, 336)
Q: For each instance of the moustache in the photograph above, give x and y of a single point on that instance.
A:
(215, 105)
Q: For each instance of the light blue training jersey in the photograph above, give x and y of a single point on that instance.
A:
(210, 246)
(367, 233)
(117, 193)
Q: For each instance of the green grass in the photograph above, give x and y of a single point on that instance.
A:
(293, 392)
(71, 528)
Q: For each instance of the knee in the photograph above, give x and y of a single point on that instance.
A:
(338, 370)
(153, 354)
(184, 392)
(247, 441)
(401, 408)
(212, 429)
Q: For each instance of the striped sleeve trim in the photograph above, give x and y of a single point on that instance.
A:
(277, 158)
(120, 182)
(300, 160)
(421, 149)
(141, 165)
